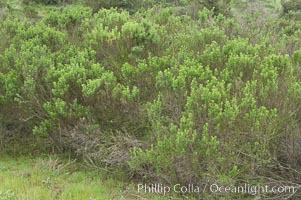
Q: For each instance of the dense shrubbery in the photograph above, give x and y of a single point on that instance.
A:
(183, 99)
(291, 5)
(48, 2)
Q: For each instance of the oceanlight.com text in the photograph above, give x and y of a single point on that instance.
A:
(215, 188)
(253, 189)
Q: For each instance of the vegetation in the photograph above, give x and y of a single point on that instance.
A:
(291, 5)
(175, 92)
(50, 177)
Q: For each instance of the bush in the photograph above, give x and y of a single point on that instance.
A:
(47, 2)
(291, 5)
(175, 98)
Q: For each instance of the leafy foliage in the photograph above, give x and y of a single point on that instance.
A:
(210, 99)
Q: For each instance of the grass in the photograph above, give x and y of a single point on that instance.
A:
(47, 178)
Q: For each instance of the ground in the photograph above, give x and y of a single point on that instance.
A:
(49, 177)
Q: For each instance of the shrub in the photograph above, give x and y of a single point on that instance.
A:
(182, 99)
(289, 5)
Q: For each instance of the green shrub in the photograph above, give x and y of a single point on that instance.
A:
(193, 99)
(291, 5)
